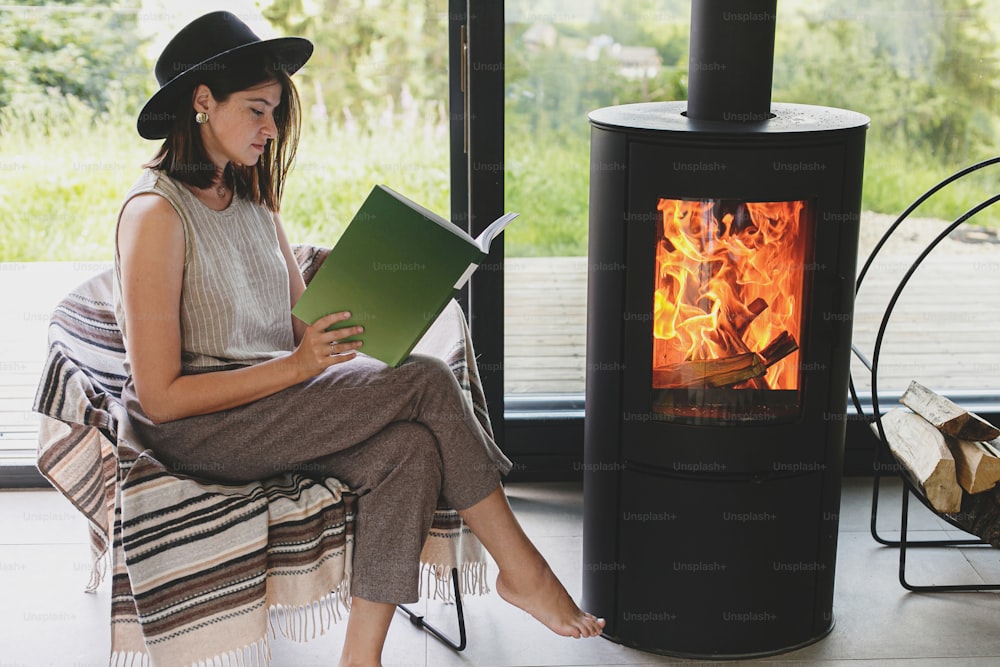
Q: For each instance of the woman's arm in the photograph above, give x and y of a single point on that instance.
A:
(151, 249)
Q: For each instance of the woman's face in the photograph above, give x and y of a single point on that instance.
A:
(238, 129)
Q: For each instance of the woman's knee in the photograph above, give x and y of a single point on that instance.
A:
(433, 369)
(439, 390)
(411, 450)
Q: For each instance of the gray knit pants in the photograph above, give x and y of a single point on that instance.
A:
(404, 439)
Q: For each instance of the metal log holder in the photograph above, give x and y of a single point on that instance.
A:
(882, 452)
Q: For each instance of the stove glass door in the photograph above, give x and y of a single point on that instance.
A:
(728, 309)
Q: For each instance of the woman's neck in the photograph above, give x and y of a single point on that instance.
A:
(218, 195)
(219, 185)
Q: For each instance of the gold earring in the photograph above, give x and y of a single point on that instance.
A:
(201, 118)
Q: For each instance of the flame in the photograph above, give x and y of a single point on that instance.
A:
(729, 280)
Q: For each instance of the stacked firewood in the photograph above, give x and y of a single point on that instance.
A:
(943, 448)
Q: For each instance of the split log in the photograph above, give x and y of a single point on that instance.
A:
(923, 453)
(779, 348)
(726, 371)
(976, 463)
(992, 447)
(742, 321)
(946, 416)
(709, 372)
(980, 515)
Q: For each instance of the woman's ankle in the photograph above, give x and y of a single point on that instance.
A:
(367, 627)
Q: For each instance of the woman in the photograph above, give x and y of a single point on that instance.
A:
(223, 378)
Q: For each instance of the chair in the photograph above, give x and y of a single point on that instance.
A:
(883, 456)
(203, 571)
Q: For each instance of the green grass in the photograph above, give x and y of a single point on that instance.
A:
(61, 191)
(894, 180)
(548, 183)
(335, 171)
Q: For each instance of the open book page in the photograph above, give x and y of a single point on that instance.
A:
(493, 230)
(483, 241)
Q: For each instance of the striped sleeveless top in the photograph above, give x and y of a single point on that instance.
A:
(234, 307)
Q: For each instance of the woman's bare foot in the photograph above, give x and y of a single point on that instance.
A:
(526, 580)
(536, 590)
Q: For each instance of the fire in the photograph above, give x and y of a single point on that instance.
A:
(727, 308)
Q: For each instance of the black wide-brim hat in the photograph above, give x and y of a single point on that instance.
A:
(209, 43)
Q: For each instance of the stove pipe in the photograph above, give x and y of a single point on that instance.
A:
(731, 60)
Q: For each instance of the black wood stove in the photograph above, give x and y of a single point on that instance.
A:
(723, 243)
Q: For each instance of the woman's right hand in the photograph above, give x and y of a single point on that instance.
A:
(319, 349)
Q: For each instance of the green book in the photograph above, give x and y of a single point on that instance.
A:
(395, 268)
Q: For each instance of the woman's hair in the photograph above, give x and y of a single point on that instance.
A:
(182, 154)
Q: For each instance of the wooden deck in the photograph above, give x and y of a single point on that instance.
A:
(944, 330)
(944, 333)
(545, 329)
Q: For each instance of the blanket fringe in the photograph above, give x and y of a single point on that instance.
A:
(129, 659)
(436, 581)
(257, 654)
(98, 570)
(304, 622)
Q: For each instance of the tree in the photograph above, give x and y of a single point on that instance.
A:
(553, 83)
(89, 51)
(372, 56)
(964, 69)
(925, 71)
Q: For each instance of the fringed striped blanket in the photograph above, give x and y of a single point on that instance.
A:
(203, 571)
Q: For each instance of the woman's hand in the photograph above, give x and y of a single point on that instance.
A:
(319, 349)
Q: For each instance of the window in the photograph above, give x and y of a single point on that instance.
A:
(900, 63)
(375, 100)
(390, 109)
(565, 59)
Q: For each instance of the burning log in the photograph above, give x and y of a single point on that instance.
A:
(778, 349)
(947, 417)
(724, 372)
(923, 453)
(977, 463)
(709, 372)
(741, 321)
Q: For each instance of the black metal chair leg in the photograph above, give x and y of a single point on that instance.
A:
(418, 620)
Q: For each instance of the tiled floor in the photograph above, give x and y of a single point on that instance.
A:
(47, 619)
